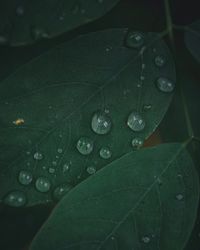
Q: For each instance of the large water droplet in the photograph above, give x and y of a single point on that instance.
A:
(60, 191)
(165, 85)
(15, 199)
(135, 39)
(159, 61)
(146, 239)
(137, 143)
(105, 153)
(85, 145)
(25, 177)
(38, 156)
(91, 170)
(136, 122)
(101, 123)
(42, 184)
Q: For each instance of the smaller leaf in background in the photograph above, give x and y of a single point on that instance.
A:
(192, 39)
(143, 200)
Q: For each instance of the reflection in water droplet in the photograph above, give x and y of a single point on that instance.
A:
(25, 177)
(91, 170)
(15, 199)
(165, 85)
(135, 39)
(135, 122)
(60, 191)
(145, 239)
(85, 145)
(42, 184)
(105, 153)
(101, 123)
(159, 61)
(38, 156)
(179, 197)
(137, 143)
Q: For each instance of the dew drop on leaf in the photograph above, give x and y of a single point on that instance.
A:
(51, 170)
(25, 177)
(165, 85)
(159, 61)
(60, 191)
(105, 153)
(60, 150)
(179, 197)
(135, 122)
(66, 167)
(15, 199)
(145, 239)
(42, 184)
(137, 143)
(135, 39)
(101, 123)
(85, 145)
(38, 156)
(91, 170)
(147, 107)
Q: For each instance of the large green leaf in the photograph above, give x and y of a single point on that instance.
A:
(145, 200)
(23, 22)
(192, 39)
(47, 105)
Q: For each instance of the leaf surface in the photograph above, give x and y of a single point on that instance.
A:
(145, 200)
(48, 105)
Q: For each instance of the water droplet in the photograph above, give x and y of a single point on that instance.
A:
(101, 123)
(145, 239)
(85, 145)
(109, 48)
(20, 11)
(159, 61)
(105, 153)
(135, 122)
(142, 78)
(60, 150)
(25, 177)
(51, 170)
(91, 170)
(15, 199)
(143, 65)
(165, 85)
(38, 156)
(42, 184)
(147, 107)
(179, 197)
(54, 163)
(60, 191)
(66, 167)
(135, 39)
(137, 143)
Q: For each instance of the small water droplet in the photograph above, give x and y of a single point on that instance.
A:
(91, 170)
(179, 197)
(135, 122)
(165, 85)
(105, 153)
(159, 61)
(20, 11)
(42, 184)
(147, 107)
(146, 239)
(60, 191)
(60, 150)
(101, 123)
(108, 49)
(38, 156)
(142, 78)
(137, 143)
(143, 65)
(54, 163)
(51, 170)
(85, 145)
(15, 199)
(25, 177)
(135, 39)
(28, 152)
(3, 40)
(66, 167)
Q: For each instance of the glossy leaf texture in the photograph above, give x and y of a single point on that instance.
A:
(48, 105)
(23, 22)
(192, 39)
(144, 200)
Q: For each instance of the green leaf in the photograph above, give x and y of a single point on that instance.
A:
(145, 200)
(192, 39)
(47, 105)
(24, 23)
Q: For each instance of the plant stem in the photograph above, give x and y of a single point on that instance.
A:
(169, 23)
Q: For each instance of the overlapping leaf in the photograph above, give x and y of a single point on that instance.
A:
(144, 200)
(47, 105)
